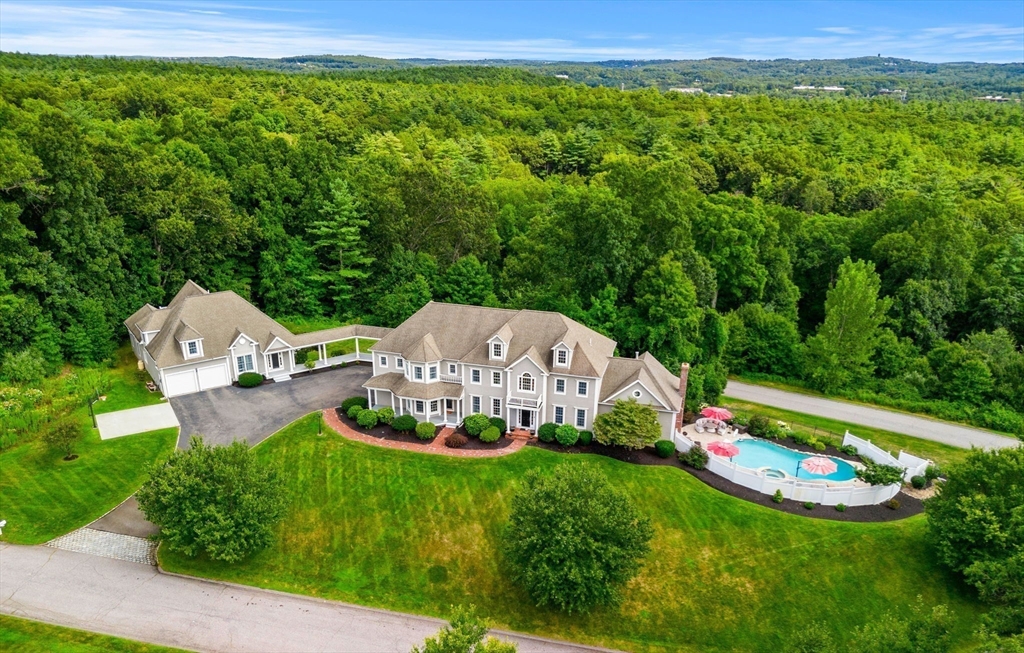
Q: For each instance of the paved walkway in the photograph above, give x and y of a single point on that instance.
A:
(135, 420)
(107, 545)
(919, 427)
(435, 447)
(138, 602)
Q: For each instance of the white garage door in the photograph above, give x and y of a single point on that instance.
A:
(214, 376)
(180, 383)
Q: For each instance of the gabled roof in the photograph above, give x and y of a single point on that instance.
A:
(646, 369)
(185, 333)
(424, 351)
(535, 356)
(403, 387)
(461, 333)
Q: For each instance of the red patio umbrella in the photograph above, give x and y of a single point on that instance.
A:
(716, 413)
(724, 449)
(819, 465)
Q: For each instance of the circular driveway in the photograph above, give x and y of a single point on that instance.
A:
(223, 415)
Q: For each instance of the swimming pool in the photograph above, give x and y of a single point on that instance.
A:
(758, 454)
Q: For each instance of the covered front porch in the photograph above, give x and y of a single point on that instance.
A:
(440, 410)
(320, 349)
(523, 414)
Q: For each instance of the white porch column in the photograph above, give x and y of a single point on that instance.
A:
(357, 358)
(322, 350)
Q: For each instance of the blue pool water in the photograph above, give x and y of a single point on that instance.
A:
(755, 454)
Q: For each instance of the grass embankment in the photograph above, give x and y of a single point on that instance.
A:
(43, 496)
(417, 532)
(126, 385)
(823, 426)
(31, 636)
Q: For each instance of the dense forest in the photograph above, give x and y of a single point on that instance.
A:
(860, 246)
(864, 76)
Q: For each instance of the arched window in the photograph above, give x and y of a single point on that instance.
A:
(526, 382)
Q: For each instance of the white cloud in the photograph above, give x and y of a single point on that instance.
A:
(838, 30)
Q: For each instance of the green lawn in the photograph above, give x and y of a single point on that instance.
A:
(417, 532)
(34, 636)
(43, 496)
(126, 385)
(893, 442)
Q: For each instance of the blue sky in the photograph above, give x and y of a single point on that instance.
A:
(548, 31)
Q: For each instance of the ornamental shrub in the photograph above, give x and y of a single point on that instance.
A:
(819, 445)
(777, 497)
(499, 424)
(918, 482)
(629, 424)
(386, 415)
(932, 472)
(758, 425)
(848, 449)
(425, 430)
(455, 440)
(809, 505)
(665, 448)
(476, 423)
(586, 437)
(840, 507)
(367, 418)
(573, 540)
(362, 402)
(876, 474)
(546, 432)
(250, 379)
(353, 411)
(490, 434)
(696, 457)
(892, 504)
(404, 423)
(311, 358)
(567, 435)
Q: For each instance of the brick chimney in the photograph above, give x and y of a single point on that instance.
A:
(684, 373)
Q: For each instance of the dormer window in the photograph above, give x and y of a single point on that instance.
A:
(497, 350)
(192, 348)
(562, 358)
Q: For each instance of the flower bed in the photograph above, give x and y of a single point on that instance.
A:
(382, 431)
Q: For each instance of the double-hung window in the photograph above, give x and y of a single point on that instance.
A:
(562, 357)
(400, 363)
(417, 372)
(496, 350)
(451, 368)
(581, 388)
(419, 406)
(495, 407)
(383, 361)
(433, 406)
(433, 372)
(496, 379)
(474, 376)
(559, 386)
(193, 347)
(581, 418)
(559, 415)
(245, 363)
(476, 404)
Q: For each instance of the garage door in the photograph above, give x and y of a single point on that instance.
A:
(180, 383)
(214, 376)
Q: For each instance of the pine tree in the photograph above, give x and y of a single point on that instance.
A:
(338, 235)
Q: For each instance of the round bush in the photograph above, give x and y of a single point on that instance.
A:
(546, 432)
(892, 504)
(819, 445)
(250, 379)
(362, 402)
(840, 507)
(386, 415)
(758, 426)
(665, 448)
(353, 411)
(586, 437)
(809, 505)
(367, 418)
(476, 423)
(425, 430)
(499, 424)
(567, 435)
(777, 497)
(696, 457)
(490, 434)
(404, 423)
(455, 440)
(918, 482)
(931, 472)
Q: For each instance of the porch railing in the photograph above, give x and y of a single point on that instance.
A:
(448, 378)
(525, 403)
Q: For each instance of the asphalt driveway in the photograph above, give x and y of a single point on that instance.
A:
(223, 415)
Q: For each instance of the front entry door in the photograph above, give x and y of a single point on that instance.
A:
(526, 419)
(276, 361)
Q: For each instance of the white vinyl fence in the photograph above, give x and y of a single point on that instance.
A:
(683, 443)
(912, 465)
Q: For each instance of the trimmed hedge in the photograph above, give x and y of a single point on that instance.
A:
(499, 424)
(546, 432)
(367, 418)
(404, 423)
(250, 379)
(665, 448)
(362, 402)
(386, 415)
(586, 437)
(353, 411)
(425, 430)
(490, 434)
(567, 435)
(476, 423)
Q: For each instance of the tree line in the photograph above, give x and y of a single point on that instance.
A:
(860, 247)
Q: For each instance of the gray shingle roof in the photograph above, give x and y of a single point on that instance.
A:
(623, 372)
(403, 387)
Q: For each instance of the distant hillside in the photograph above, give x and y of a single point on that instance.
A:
(861, 76)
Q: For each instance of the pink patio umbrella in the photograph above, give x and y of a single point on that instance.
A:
(818, 465)
(724, 449)
(716, 413)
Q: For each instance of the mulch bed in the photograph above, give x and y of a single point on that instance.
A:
(909, 506)
(476, 444)
(382, 431)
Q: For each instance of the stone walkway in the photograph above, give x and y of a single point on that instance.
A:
(108, 545)
(435, 447)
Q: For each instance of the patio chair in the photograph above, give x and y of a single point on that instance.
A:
(699, 428)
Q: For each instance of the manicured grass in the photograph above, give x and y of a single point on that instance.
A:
(418, 532)
(298, 325)
(892, 442)
(127, 385)
(43, 496)
(34, 636)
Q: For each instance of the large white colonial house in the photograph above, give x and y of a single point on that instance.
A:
(527, 367)
(204, 340)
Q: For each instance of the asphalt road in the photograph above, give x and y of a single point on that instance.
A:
(138, 602)
(919, 427)
(223, 415)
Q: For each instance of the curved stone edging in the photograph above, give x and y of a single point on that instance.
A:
(332, 420)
